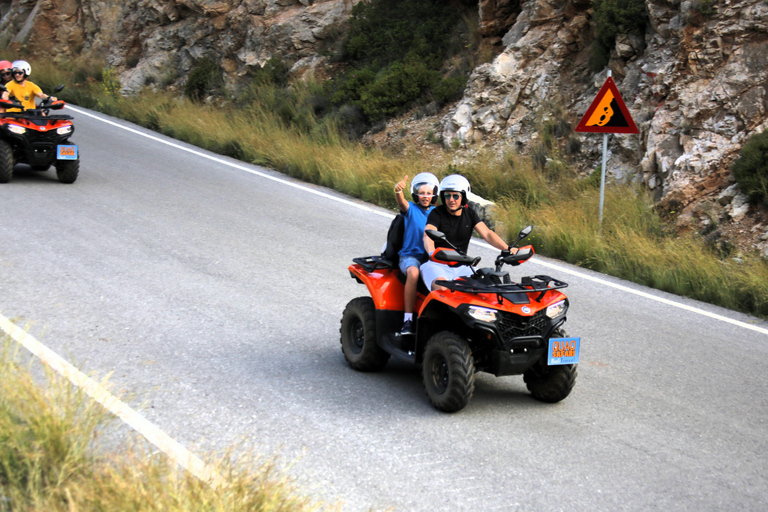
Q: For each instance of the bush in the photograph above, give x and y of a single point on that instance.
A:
(614, 17)
(751, 169)
(274, 72)
(204, 79)
(394, 51)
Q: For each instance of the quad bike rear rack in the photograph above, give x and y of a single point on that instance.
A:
(371, 263)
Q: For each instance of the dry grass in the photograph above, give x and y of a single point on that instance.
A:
(50, 459)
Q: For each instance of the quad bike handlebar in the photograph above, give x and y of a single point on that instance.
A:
(27, 113)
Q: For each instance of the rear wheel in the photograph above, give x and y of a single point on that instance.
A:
(6, 162)
(67, 170)
(448, 371)
(358, 336)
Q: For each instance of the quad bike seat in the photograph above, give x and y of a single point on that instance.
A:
(371, 263)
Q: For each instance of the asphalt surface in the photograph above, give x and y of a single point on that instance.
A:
(214, 296)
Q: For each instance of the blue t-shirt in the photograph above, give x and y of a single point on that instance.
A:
(413, 232)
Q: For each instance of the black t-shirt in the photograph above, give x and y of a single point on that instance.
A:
(457, 229)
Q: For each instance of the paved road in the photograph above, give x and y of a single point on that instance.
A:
(215, 294)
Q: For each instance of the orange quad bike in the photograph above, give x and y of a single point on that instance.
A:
(37, 138)
(483, 322)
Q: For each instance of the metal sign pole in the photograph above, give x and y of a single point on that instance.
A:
(602, 171)
(602, 177)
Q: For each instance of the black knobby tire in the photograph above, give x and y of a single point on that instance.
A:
(448, 371)
(67, 170)
(358, 336)
(6, 162)
(551, 383)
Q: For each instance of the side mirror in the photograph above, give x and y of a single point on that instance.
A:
(435, 235)
(439, 236)
(58, 88)
(523, 233)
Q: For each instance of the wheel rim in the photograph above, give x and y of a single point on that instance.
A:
(358, 336)
(439, 373)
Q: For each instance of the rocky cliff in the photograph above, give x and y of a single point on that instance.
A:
(694, 81)
(695, 85)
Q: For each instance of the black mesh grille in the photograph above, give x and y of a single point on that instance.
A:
(500, 278)
(513, 326)
(50, 137)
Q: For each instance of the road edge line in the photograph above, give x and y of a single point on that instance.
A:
(151, 432)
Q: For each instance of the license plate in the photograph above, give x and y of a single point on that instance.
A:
(66, 152)
(563, 351)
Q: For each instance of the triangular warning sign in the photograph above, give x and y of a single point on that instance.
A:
(607, 113)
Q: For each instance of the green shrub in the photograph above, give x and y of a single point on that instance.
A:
(394, 51)
(204, 80)
(274, 71)
(614, 17)
(751, 169)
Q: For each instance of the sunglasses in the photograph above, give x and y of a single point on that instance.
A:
(18, 72)
(6, 73)
(455, 197)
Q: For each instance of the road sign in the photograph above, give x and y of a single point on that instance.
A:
(608, 113)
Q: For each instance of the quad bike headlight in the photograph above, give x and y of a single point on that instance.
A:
(482, 314)
(64, 130)
(557, 309)
(19, 130)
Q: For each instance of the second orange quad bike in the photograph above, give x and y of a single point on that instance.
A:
(483, 322)
(37, 138)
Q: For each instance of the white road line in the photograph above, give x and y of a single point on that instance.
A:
(136, 421)
(385, 214)
(645, 295)
(234, 165)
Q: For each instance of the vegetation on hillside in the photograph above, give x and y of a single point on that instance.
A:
(397, 54)
(611, 18)
(751, 168)
(394, 53)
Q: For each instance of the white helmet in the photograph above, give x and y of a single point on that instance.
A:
(22, 65)
(455, 183)
(425, 178)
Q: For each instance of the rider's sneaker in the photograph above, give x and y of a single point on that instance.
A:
(407, 329)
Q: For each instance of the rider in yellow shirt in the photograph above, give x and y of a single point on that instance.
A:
(21, 88)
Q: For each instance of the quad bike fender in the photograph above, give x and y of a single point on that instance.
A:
(385, 288)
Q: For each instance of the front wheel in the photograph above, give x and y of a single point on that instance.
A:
(67, 170)
(6, 162)
(448, 371)
(358, 336)
(551, 383)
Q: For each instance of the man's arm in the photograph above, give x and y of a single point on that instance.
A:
(429, 245)
(490, 236)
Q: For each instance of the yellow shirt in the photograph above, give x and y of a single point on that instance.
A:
(24, 93)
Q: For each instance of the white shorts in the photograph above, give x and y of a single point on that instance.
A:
(432, 270)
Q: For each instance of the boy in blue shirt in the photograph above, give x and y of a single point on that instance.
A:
(424, 191)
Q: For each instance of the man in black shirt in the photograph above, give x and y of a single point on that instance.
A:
(457, 221)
